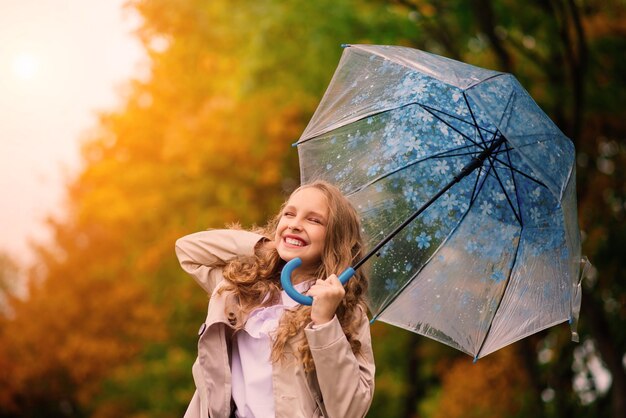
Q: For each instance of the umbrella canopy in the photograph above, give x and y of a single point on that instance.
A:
(496, 256)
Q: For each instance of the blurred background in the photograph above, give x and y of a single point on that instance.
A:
(127, 124)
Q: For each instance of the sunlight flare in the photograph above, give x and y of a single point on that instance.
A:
(25, 66)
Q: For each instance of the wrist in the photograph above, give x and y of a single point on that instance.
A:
(317, 322)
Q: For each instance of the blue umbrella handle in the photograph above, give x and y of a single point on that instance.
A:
(285, 281)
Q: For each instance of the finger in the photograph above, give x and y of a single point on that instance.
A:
(333, 279)
(314, 291)
(322, 291)
(327, 290)
(318, 295)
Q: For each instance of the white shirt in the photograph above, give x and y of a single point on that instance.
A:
(252, 387)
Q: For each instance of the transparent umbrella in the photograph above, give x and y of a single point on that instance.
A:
(466, 192)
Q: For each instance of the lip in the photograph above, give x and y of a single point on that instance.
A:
(304, 243)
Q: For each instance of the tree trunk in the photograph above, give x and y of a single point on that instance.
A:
(415, 390)
(483, 10)
(601, 331)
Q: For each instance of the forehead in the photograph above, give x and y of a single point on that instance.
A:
(309, 199)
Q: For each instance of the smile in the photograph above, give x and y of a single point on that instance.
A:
(295, 241)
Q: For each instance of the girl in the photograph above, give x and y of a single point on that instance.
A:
(261, 354)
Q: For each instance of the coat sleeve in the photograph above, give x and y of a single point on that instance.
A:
(201, 253)
(346, 381)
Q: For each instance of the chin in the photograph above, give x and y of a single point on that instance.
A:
(286, 255)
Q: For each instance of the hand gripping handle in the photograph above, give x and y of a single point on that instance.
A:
(285, 281)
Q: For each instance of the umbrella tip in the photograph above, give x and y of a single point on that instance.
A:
(295, 144)
(372, 320)
(345, 45)
(475, 359)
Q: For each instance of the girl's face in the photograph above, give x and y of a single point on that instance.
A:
(301, 230)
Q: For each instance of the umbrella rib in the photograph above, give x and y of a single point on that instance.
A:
(474, 119)
(495, 172)
(508, 155)
(481, 185)
(508, 279)
(411, 163)
(491, 158)
(393, 297)
(462, 154)
(387, 174)
(510, 166)
(474, 192)
(515, 212)
(445, 153)
(477, 187)
(473, 153)
(434, 156)
(432, 112)
(543, 138)
(485, 80)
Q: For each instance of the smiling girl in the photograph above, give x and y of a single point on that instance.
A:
(260, 354)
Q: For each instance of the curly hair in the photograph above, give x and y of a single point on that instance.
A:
(256, 279)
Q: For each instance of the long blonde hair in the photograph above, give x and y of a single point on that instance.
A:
(256, 280)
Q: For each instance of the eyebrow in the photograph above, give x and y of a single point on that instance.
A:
(291, 207)
(317, 214)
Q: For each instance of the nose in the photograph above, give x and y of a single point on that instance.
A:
(294, 225)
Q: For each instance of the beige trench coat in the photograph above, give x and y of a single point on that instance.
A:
(342, 385)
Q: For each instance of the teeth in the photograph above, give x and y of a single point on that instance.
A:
(294, 241)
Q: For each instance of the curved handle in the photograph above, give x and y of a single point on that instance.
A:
(285, 281)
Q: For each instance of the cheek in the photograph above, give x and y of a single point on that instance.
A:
(280, 228)
(321, 238)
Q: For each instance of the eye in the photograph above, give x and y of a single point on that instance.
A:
(288, 214)
(316, 220)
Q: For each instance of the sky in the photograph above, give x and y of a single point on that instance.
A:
(61, 61)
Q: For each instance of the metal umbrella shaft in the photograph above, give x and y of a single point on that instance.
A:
(475, 163)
